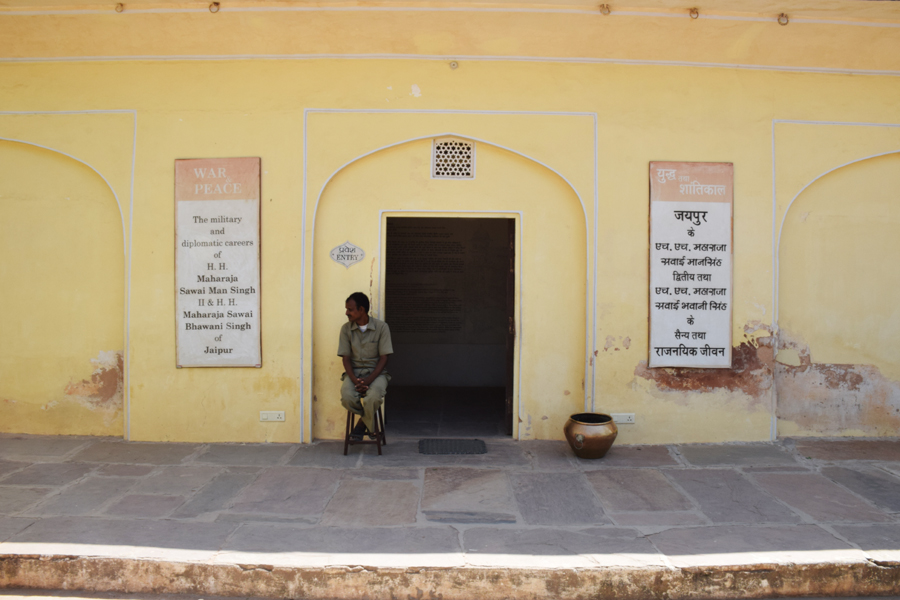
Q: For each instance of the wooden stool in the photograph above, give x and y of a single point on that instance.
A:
(379, 440)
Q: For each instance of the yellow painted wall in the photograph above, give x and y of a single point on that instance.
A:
(552, 245)
(600, 123)
(62, 299)
(839, 292)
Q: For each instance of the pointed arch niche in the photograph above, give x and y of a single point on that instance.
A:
(838, 286)
(62, 267)
(552, 276)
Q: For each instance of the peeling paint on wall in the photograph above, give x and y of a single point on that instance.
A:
(751, 371)
(104, 390)
(834, 399)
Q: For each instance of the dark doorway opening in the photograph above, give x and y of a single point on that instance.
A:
(449, 300)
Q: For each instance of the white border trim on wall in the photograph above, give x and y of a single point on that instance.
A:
(464, 9)
(591, 287)
(777, 229)
(126, 238)
(448, 57)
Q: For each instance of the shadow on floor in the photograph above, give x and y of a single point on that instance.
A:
(445, 412)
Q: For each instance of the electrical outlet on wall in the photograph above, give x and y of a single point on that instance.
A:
(623, 418)
(271, 415)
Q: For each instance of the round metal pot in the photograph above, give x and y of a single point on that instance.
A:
(590, 434)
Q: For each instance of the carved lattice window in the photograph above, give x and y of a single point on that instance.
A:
(453, 159)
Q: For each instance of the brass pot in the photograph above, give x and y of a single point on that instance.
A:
(590, 434)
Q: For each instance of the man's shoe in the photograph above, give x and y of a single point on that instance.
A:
(359, 430)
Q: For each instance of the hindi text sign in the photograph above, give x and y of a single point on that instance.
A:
(691, 257)
(217, 262)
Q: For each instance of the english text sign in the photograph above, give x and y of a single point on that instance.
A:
(347, 254)
(217, 262)
(691, 259)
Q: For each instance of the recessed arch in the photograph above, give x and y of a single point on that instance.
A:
(582, 221)
(66, 278)
(838, 365)
(788, 209)
(89, 166)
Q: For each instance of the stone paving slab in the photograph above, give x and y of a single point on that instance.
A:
(169, 540)
(39, 448)
(124, 470)
(326, 546)
(362, 503)
(559, 548)
(289, 491)
(52, 474)
(470, 495)
(743, 544)
(177, 481)
(819, 497)
(16, 499)
(84, 497)
(751, 455)
(8, 466)
(548, 455)
(329, 455)
(875, 485)
(881, 542)
(145, 506)
(637, 490)
(632, 456)
(556, 499)
(9, 526)
(245, 454)
(725, 496)
(215, 496)
(659, 519)
(384, 474)
(834, 450)
(136, 453)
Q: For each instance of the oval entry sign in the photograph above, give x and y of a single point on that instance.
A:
(347, 254)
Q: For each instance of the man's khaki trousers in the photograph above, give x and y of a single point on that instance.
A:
(364, 406)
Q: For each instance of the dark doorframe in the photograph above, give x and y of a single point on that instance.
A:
(511, 320)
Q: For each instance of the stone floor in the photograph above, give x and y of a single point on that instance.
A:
(523, 504)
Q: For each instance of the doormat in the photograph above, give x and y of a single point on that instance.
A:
(452, 447)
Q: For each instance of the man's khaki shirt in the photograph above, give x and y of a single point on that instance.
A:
(365, 347)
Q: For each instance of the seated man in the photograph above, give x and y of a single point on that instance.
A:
(364, 345)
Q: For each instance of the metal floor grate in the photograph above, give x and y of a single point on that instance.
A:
(439, 446)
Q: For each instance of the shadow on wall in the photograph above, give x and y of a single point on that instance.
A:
(62, 308)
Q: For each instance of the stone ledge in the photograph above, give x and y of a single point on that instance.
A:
(56, 572)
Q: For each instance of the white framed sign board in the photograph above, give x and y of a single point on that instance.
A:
(691, 260)
(217, 282)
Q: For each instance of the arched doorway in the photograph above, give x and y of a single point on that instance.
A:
(360, 203)
(61, 305)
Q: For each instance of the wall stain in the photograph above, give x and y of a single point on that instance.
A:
(751, 372)
(104, 390)
(611, 343)
(832, 399)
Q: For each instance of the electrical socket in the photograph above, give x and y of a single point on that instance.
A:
(623, 418)
(271, 415)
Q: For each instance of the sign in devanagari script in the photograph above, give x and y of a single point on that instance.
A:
(691, 259)
(217, 262)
